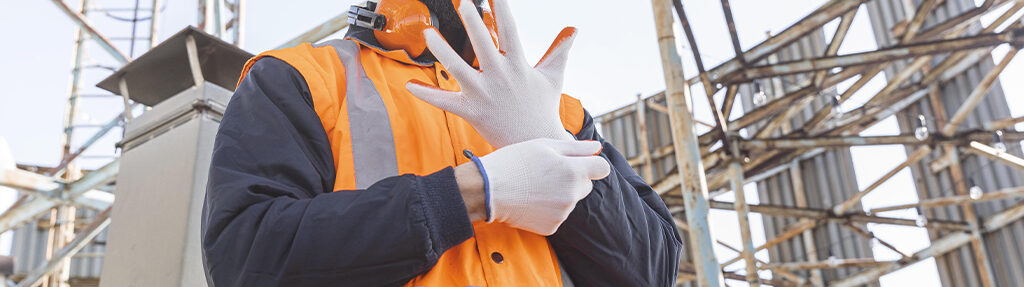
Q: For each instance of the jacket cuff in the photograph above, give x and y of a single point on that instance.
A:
(445, 212)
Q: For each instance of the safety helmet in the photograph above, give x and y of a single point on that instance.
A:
(399, 24)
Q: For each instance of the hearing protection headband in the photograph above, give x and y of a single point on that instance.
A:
(366, 17)
(399, 24)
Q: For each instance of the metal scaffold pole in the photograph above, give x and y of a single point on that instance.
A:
(154, 23)
(688, 158)
(61, 227)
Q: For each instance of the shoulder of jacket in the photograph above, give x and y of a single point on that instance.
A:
(308, 60)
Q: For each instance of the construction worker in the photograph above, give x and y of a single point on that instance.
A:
(423, 150)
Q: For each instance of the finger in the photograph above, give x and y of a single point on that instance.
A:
(553, 62)
(575, 148)
(583, 190)
(483, 46)
(508, 35)
(595, 167)
(445, 100)
(444, 54)
(599, 150)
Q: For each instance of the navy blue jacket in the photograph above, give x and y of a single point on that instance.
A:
(271, 217)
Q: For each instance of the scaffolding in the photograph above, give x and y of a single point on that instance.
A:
(791, 139)
(77, 202)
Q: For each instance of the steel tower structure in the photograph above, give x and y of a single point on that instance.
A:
(793, 141)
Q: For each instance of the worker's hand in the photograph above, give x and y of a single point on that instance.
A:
(534, 185)
(507, 101)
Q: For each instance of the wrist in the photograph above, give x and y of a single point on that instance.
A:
(471, 186)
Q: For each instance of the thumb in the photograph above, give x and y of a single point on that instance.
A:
(553, 62)
(575, 148)
(595, 167)
(445, 100)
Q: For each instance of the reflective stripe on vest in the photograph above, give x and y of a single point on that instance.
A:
(373, 144)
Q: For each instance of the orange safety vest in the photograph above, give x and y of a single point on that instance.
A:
(377, 129)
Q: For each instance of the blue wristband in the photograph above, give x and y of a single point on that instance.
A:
(487, 183)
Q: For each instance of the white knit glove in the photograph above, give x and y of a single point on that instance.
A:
(534, 185)
(506, 101)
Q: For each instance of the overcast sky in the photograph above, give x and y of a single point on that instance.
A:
(615, 57)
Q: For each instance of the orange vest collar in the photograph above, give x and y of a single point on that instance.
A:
(397, 55)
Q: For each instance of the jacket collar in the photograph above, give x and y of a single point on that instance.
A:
(365, 37)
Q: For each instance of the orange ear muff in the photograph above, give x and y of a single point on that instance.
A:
(406, 20)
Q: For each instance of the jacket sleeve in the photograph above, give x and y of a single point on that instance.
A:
(622, 233)
(271, 218)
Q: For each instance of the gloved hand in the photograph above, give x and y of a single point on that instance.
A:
(534, 185)
(507, 101)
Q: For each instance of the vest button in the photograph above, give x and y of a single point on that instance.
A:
(497, 257)
(444, 74)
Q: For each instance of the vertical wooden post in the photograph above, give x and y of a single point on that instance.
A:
(154, 23)
(956, 171)
(810, 247)
(645, 148)
(743, 213)
(687, 152)
(977, 244)
(62, 217)
(239, 27)
(218, 28)
(205, 14)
